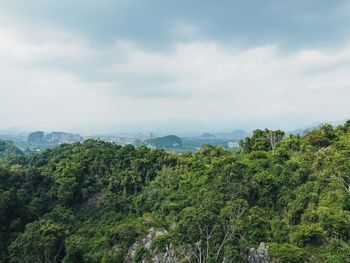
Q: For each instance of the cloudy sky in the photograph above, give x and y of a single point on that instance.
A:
(115, 65)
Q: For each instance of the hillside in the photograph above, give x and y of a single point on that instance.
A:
(7, 148)
(168, 141)
(100, 202)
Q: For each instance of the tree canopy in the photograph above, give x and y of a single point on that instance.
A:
(91, 201)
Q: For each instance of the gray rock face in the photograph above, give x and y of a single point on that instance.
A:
(36, 137)
(53, 137)
(259, 255)
(165, 257)
(63, 137)
(157, 257)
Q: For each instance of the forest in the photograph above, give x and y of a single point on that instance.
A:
(96, 201)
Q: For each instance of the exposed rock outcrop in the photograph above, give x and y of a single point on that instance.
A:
(53, 137)
(259, 255)
(146, 244)
(63, 137)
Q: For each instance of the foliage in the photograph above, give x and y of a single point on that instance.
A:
(90, 202)
(287, 253)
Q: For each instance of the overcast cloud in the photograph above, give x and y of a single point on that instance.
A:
(119, 65)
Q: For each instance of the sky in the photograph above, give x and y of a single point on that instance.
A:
(182, 66)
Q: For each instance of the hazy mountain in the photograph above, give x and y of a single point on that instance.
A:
(36, 137)
(208, 136)
(53, 137)
(63, 137)
(164, 142)
(236, 134)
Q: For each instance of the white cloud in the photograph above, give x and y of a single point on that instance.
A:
(196, 80)
(21, 46)
(257, 83)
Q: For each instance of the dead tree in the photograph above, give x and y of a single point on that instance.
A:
(201, 251)
(344, 178)
(274, 138)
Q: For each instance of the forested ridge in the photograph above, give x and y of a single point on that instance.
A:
(91, 201)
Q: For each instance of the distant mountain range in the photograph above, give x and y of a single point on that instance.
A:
(36, 141)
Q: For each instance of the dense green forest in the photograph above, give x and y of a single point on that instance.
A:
(91, 201)
(8, 149)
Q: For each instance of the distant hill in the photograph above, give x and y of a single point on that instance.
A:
(63, 137)
(168, 141)
(208, 136)
(297, 131)
(36, 137)
(53, 137)
(236, 134)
